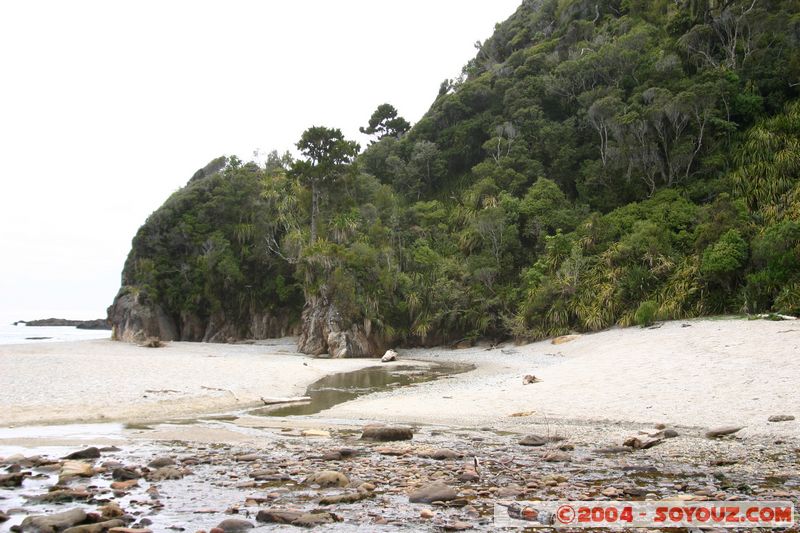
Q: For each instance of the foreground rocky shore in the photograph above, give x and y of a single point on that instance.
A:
(343, 477)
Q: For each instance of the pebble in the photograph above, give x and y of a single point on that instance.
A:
(327, 478)
(98, 527)
(386, 433)
(124, 474)
(124, 485)
(88, 453)
(533, 440)
(235, 525)
(13, 480)
(53, 522)
(434, 492)
(444, 453)
(73, 469)
(555, 457)
(162, 461)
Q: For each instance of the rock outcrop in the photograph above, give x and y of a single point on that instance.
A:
(134, 320)
(326, 333)
(100, 323)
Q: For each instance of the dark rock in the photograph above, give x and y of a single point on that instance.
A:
(387, 433)
(435, 492)
(315, 519)
(781, 418)
(670, 433)
(3, 517)
(235, 525)
(274, 516)
(722, 431)
(13, 480)
(53, 523)
(88, 453)
(533, 440)
(125, 474)
(643, 443)
(99, 323)
(338, 455)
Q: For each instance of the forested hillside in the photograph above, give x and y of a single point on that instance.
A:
(597, 163)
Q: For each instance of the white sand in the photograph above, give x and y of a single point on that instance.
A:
(103, 380)
(715, 372)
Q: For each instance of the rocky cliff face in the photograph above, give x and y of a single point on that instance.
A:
(134, 320)
(325, 333)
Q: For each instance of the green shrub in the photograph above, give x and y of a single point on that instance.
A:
(726, 257)
(646, 313)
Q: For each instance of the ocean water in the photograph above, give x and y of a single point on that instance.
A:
(10, 334)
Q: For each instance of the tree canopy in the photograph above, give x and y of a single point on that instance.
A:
(595, 164)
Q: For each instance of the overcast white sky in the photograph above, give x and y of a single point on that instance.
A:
(108, 107)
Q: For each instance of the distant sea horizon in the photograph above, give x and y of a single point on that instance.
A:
(10, 334)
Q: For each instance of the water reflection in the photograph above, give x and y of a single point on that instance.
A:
(339, 388)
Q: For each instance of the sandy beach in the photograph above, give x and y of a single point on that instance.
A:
(104, 380)
(698, 373)
(701, 373)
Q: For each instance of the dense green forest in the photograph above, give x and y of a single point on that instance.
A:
(597, 163)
